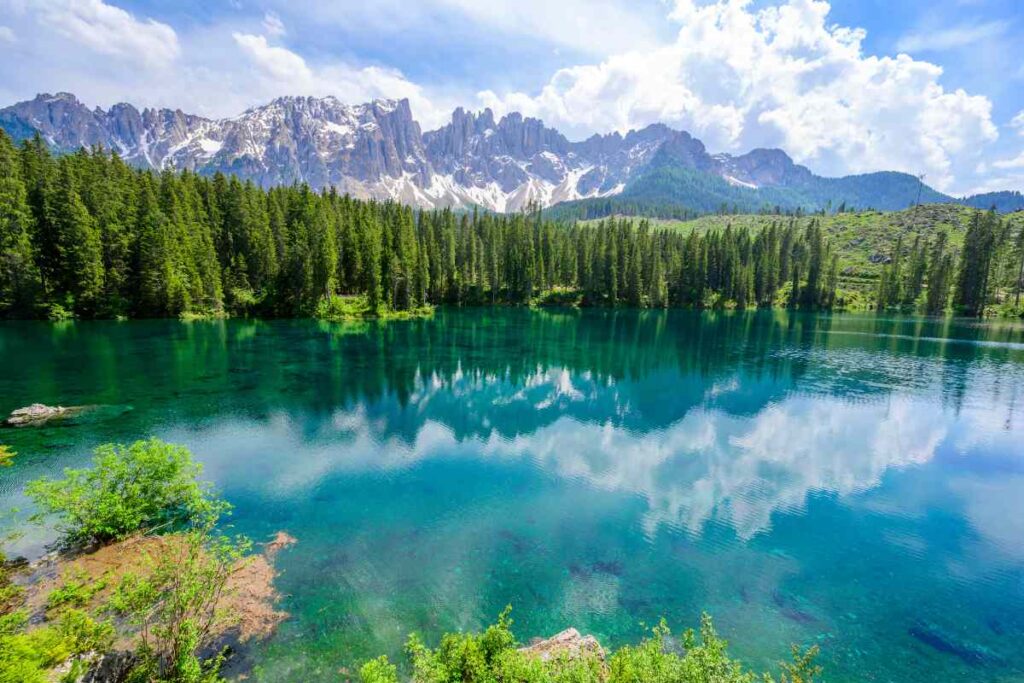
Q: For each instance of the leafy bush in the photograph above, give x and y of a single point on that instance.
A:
(379, 670)
(493, 657)
(193, 316)
(57, 313)
(147, 485)
(76, 590)
(175, 604)
(28, 656)
(6, 456)
(337, 308)
(559, 296)
(10, 593)
(172, 599)
(343, 308)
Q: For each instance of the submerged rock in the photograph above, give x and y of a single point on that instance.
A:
(943, 641)
(112, 667)
(38, 414)
(280, 541)
(568, 642)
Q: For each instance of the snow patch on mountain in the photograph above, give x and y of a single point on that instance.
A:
(377, 150)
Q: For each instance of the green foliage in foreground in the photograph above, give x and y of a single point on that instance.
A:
(175, 607)
(172, 604)
(493, 657)
(145, 486)
(28, 656)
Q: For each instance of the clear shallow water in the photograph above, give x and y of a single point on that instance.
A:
(847, 480)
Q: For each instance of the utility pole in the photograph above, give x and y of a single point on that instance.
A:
(920, 187)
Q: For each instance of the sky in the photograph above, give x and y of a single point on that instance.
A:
(933, 87)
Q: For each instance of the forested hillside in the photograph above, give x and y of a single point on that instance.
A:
(865, 241)
(87, 235)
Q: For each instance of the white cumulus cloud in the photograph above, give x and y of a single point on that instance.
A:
(282, 71)
(275, 63)
(273, 25)
(952, 37)
(1018, 123)
(781, 76)
(1015, 163)
(110, 30)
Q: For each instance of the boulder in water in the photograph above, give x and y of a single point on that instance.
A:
(568, 642)
(950, 643)
(38, 414)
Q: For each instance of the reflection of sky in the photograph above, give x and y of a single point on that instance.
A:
(708, 465)
(851, 471)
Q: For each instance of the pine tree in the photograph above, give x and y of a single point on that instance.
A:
(657, 293)
(152, 262)
(1019, 281)
(19, 275)
(78, 243)
(915, 273)
(940, 268)
(371, 241)
(975, 265)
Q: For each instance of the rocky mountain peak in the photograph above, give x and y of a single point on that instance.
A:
(766, 168)
(377, 149)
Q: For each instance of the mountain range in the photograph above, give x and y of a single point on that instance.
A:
(378, 150)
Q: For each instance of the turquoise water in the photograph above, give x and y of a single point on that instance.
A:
(851, 481)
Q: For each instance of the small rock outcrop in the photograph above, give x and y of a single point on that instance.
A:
(111, 667)
(568, 642)
(38, 414)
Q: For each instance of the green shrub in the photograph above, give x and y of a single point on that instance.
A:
(10, 593)
(559, 296)
(175, 606)
(77, 590)
(193, 316)
(378, 670)
(494, 657)
(337, 308)
(145, 486)
(28, 656)
(57, 313)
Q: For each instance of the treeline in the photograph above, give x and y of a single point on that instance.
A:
(603, 207)
(929, 276)
(88, 235)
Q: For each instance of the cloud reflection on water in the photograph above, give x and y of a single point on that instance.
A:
(709, 465)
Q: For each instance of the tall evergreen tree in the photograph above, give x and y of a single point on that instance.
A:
(78, 243)
(19, 275)
(975, 264)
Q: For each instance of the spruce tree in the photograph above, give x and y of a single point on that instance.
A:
(79, 249)
(19, 275)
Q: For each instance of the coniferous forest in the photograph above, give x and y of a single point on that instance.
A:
(87, 235)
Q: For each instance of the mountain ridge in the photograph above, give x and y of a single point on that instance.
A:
(378, 150)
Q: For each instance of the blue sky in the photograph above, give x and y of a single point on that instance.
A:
(844, 86)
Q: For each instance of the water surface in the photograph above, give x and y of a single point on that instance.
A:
(851, 481)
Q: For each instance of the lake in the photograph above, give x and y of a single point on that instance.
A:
(846, 480)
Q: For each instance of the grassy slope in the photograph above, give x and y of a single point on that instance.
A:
(857, 236)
